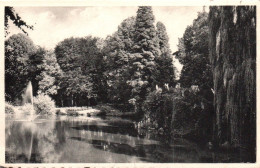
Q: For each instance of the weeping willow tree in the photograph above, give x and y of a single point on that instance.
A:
(233, 57)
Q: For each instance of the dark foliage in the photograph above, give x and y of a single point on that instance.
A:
(232, 47)
(18, 49)
(11, 15)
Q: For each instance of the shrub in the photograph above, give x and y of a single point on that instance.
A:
(27, 109)
(43, 104)
(9, 109)
(187, 110)
(193, 115)
(158, 108)
(182, 111)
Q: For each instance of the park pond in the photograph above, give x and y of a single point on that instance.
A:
(82, 139)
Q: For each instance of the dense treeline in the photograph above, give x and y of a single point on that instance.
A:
(214, 99)
(122, 69)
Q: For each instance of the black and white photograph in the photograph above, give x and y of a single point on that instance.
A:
(130, 84)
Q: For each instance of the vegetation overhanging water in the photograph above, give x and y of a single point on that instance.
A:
(130, 74)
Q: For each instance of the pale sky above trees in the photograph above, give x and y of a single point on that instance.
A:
(54, 24)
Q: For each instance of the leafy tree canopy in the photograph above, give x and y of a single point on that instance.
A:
(193, 54)
(18, 49)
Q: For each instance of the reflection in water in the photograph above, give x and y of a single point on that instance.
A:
(75, 139)
(32, 142)
(114, 147)
(123, 130)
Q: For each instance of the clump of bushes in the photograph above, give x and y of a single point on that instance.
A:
(183, 112)
(158, 110)
(27, 109)
(9, 108)
(187, 108)
(107, 109)
(43, 104)
(193, 112)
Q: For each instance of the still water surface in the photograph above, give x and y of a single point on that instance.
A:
(63, 139)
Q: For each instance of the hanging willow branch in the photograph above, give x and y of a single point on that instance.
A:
(232, 49)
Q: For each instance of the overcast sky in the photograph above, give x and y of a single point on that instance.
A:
(54, 24)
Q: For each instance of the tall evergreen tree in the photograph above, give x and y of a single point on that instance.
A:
(146, 48)
(163, 38)
(165, 67)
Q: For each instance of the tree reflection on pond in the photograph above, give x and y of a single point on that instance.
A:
(95, 140)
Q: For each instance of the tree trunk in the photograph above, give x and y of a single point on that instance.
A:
(233, 58)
